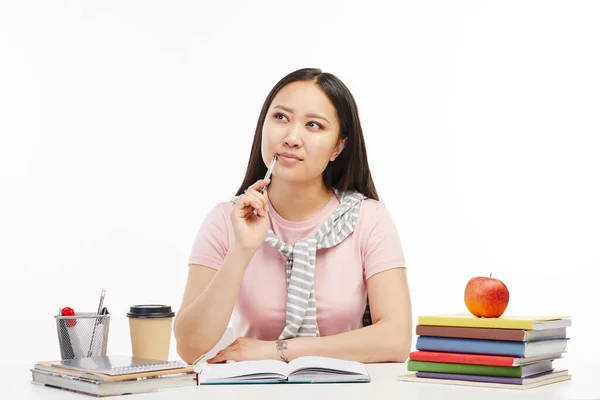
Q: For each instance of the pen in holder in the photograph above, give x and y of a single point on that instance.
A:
(83, 334)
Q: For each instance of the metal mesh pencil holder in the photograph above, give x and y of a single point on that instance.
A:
(82, 335)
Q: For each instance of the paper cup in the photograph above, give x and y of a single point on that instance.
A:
(150, 328)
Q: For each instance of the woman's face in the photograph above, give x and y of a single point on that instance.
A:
(301, 127)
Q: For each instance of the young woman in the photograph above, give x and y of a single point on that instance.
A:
(313, 265)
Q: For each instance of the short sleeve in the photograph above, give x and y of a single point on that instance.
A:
(382, 249)
(211, 243)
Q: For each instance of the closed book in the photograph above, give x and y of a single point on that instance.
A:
(491, 347)
(480, 359)
(495, 379)
(485, 381)
(97, 388)
(49, 366)
(505, 322)
(515, 335)
(473, 369)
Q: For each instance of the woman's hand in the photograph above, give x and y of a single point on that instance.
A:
(244, 349)
(250, 230)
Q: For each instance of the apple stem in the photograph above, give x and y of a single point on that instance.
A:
(490, 275)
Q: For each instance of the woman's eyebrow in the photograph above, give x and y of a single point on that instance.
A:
(309, 115)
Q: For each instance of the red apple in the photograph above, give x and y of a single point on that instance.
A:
(486, 297)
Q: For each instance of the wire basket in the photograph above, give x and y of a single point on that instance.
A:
(82, 335)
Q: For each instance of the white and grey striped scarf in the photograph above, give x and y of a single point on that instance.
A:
(301, 312)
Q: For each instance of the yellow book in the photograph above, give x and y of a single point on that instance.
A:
(504, 322)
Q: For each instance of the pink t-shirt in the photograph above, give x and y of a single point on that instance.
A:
(341, 271)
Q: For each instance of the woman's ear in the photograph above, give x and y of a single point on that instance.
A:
(341, 144)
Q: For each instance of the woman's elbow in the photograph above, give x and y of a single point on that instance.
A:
(179, 334)
(400, 344)
(184, 339)
(400, 353)
(188, 347)
(189, 354)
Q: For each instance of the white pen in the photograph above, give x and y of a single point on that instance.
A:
(268, 174)
(101, 301)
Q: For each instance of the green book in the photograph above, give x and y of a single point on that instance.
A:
(521, 371)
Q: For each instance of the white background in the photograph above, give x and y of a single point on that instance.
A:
(123, 122)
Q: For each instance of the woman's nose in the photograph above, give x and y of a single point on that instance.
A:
(292, 137)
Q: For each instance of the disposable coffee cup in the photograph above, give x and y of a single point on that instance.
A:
(150, 330)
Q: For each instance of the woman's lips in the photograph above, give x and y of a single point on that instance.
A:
(287, 158)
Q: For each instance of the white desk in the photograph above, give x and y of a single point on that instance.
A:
(16, 381)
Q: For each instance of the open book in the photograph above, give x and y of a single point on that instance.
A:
(307, 369)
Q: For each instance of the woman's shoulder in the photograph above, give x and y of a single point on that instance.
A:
(371, 207)
(374, 213)
(224, 206)
(219, 213)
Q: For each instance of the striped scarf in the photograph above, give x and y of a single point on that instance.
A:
(301, 313)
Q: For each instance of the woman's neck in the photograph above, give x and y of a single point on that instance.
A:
(298, 202)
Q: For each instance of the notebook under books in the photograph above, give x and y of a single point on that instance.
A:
(113, 388)
(307, 369)
(118, 364)
(488, 382)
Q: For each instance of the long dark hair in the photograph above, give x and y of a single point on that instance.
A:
(350, 170)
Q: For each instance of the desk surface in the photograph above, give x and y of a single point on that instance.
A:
(16, 380)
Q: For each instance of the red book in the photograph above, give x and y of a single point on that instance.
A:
(480, 359)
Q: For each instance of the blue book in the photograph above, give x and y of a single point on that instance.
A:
(491, 347)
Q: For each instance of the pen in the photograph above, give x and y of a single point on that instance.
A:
(98, 321)
(101, 301)
(268, 174)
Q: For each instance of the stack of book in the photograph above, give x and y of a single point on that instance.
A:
(84, 376)
(508, 352)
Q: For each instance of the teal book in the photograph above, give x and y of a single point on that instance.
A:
(308, 369)
(521, 371)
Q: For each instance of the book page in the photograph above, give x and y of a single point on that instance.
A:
(331, 364)
(244, 368)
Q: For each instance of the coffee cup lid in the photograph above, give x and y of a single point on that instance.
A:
(150, 311)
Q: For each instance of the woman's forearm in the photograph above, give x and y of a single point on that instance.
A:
(201, 324)
(382, 342)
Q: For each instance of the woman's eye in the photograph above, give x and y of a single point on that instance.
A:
(280, 116)
(314, 124)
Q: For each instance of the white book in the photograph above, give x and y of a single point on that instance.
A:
(100, 389)
(309, 369)
(118, 364)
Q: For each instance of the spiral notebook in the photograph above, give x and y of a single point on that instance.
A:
(118, 365)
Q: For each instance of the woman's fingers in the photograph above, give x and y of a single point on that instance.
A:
(259, 184)
(252, 199)
(216, 359)
(259, 200)
(247, 200)
(222, 356)
(253, 193)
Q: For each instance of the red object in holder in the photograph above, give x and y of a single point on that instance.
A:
(66, 312)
